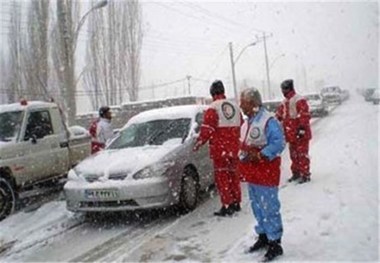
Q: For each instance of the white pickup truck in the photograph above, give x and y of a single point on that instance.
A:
(35, 146)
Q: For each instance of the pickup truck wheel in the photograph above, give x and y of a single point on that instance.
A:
(7, 198)
(189, 190)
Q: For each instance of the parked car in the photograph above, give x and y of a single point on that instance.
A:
(375, 97)
(332, 95)
(150, 164)
(345, 94)
(368, 94)
(35, 146)
(317, 106)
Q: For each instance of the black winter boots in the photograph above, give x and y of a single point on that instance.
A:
(304, 179)
(274, 250)
(260, 243)
(274, 247)
(294, 177)
(225, 211)
(236, 207)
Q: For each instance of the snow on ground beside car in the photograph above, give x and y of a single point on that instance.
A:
(27, 229)
(332, 218)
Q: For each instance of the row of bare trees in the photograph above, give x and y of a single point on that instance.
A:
(113, 54)
(41, 58)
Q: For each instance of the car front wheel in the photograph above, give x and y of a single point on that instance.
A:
(7, 198)
(189, 190)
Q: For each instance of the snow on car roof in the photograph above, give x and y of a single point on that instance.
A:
(30, 105)
(175, 112)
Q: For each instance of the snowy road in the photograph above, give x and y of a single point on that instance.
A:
(332, 218)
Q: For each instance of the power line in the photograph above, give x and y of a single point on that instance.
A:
(217, 16)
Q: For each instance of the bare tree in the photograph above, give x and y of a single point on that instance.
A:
(15, 87)
(65, 36)
(93, 77)
(132, 37)
(6, 92)
(35, 53)
(113, 53)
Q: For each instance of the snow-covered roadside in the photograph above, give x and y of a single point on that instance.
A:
(24, 230)
(334, 217)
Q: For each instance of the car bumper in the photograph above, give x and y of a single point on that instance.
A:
(120, 195)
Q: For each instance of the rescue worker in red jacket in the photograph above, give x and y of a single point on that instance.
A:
(295, 117)
(221, 127)
(261, 146)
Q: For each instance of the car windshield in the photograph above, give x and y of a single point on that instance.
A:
(155, 132)
(10, 125)
(313, 97)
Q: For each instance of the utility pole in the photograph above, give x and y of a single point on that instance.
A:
(188, 84)
(234, 61)
(233, 71)
(267, 64)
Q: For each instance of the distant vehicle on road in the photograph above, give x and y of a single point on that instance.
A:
(368, 94)
(150, 164)
(375, 97)
(332, 94)
(345, 94)
(272, 105)
(317, 106)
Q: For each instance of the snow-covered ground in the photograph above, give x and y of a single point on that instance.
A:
(335, 217)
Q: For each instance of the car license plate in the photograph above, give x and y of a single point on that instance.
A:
(101, 194)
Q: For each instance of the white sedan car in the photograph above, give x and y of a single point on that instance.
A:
(317, 105)
(149, 164)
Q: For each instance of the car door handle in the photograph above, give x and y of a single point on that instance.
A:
(64, 144)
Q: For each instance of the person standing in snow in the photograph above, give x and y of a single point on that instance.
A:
(221, 127)
(262, 143)
(295, 117)
(101, 130)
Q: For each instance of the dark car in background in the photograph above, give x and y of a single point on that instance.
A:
(375, 97)
(367, 94)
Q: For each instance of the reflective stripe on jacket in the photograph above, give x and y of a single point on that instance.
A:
(294, 115)
(221, 127)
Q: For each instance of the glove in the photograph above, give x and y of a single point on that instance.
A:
(254, 156)
(196, 146)
(300, 133)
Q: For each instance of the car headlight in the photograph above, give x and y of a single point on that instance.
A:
(153, 171)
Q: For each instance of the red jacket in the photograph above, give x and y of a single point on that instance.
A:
(258, 137)
(294, 115)
(221, 127)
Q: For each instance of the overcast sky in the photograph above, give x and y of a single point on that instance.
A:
(315, 43)
(318, 41)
